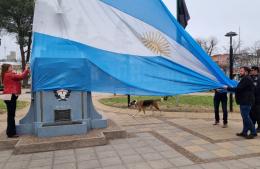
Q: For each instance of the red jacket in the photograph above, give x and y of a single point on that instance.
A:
(11, 82)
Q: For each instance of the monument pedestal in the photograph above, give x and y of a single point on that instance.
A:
(60, 113)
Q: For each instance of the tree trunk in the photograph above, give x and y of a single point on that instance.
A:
(28, 53)
(25, 81)
(22, 56)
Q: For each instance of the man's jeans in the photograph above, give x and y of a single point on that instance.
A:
(247, 122)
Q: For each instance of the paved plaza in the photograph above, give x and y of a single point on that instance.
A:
(171, 141)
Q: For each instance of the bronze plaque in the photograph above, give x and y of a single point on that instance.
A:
(62, 115)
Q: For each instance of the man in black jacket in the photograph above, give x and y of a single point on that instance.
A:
(220, 97)
(255, 112)
(245, 97)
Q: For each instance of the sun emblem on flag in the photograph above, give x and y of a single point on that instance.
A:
(156, 43)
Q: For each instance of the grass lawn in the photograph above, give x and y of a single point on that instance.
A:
(184, 103)
(20, 105)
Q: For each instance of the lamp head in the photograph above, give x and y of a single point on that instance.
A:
(231, 34)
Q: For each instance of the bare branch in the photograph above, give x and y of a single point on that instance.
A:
(209, 45)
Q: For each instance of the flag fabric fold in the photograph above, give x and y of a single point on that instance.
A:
(117, 46)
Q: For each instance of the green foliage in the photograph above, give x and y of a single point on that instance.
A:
(16, 16)
(192, 100)
(20, 105)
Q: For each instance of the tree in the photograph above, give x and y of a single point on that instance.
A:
(246, 56)
(240, 53)
(209, 44)
(16, 17)
(255, 50)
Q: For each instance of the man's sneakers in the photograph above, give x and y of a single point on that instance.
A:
(241, 135)
(225, 125)
(13, 136)
(250, 136)
(216, 123)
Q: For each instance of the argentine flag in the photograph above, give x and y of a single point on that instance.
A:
(118, 46)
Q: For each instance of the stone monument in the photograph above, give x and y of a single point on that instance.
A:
(59, 113)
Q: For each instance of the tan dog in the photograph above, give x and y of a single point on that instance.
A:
(143, 104)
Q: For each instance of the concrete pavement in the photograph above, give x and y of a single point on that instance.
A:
(171, 141)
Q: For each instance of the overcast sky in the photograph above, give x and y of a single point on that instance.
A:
(208, 18)
(217, 17)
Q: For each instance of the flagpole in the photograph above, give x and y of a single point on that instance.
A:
(177, 12)
(177, 9)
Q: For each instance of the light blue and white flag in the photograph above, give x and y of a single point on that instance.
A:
(119, 46)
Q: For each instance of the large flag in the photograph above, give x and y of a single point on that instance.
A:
(183, 15)
(118, 46)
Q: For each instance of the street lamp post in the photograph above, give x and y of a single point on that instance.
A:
(230, 35)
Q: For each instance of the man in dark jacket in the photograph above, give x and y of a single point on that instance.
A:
(255, 111)
(245, 97)
(220, 97)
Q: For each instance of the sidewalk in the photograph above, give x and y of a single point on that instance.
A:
(172, 141)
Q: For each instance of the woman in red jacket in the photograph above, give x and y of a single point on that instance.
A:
(12, 89)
